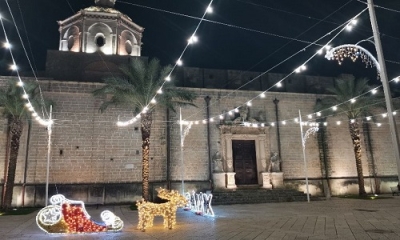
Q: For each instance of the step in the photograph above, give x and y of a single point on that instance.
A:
(257, 195)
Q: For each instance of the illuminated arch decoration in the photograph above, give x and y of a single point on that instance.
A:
(353, 52)
(70, 216)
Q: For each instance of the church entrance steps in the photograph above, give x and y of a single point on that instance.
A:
(252, 194)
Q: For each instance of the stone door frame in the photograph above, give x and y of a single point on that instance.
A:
(260, 135)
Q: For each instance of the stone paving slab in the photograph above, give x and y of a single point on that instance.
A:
(336, 218)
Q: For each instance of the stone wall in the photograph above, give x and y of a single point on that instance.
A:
(88, 148)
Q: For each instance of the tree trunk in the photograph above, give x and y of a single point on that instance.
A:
(146, 120)
(355, 137)
(15, 128)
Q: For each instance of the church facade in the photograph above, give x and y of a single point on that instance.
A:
(238, 145)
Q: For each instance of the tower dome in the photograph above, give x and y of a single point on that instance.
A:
(101, 28)
(105, 3)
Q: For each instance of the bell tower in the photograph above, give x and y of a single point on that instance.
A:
(101, 28)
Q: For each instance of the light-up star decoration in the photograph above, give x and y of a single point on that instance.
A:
(70, 216)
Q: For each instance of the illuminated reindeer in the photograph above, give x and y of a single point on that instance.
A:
(147, 210)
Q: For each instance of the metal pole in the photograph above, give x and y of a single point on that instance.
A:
(182, 167)
(385, 83)
(304, 156)
(48, 155)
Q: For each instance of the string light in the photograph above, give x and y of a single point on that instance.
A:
(179, 62)
(7, 45)
(20, 83)
(303, 66)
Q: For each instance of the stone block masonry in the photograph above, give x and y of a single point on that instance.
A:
(88, 147)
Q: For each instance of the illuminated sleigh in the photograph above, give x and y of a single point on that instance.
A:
(70, 216)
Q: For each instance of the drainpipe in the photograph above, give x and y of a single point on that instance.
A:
(278, 135)
(207, 99)
(168, 150)
(26, 162)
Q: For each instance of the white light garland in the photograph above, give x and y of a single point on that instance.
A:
(20, 83)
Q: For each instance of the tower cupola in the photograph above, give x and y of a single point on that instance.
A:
(101, 28)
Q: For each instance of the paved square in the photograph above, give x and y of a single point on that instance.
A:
(336, 218)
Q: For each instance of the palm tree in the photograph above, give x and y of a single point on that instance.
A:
(13, 108)
(135, 90)
(345, 90)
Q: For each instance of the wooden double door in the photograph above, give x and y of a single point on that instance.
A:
(244, 162)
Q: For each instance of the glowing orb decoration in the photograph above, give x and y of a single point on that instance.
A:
(70, 216)
(148, 210)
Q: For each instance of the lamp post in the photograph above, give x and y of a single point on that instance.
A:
(304, 138)
(49, 131)
(352, 51)
(183, 134)
(385, 83)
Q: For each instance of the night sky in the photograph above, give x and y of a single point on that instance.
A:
(253, 35)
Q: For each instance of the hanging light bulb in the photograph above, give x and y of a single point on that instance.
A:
(153, 101)
(168, 78)
(179, 62)
(309, 116)
(262, 95)
(384, 115)
(20, 84)
(353, 100)
(209, 9)
(13, 67)
(25, 96)
(338, 122)
(7, 45)
(159, 91)
(379, 124)
(318, 114)
(221, 117)
(248, 103)
(368, 118)
(334, 108)
(193, 39)
(279, 84)
(373, 91)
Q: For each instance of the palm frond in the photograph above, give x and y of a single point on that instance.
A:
(139, 85)
(346, 89)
